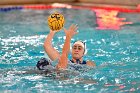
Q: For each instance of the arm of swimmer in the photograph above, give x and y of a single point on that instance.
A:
(63, 60)
(49, 49)
(66, 47)
(91, 64)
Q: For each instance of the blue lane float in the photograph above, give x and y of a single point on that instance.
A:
(7, 9)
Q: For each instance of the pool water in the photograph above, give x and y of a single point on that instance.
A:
(115, 52)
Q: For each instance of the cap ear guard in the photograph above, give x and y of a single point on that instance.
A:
(85, 51)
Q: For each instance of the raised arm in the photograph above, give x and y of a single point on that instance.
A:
(49, 49)
(63, 60)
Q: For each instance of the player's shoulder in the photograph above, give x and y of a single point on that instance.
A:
(90, 63)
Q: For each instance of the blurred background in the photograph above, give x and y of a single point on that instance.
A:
(123, 3)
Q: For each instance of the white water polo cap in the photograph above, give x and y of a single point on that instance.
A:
(83, 44)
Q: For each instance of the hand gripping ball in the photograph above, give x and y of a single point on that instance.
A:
(56, 21)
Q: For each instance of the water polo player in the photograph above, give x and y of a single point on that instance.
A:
(78, 50)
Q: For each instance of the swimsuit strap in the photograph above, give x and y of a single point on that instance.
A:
(84, 62)
(78, 61)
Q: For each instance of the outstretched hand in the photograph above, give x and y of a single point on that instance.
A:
(52, 32)
(71, 31)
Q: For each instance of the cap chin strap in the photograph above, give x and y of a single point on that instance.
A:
(78, 61)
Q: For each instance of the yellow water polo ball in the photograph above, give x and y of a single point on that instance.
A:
(56, 21)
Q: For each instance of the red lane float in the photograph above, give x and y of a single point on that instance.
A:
(38, 7)
(57, 5)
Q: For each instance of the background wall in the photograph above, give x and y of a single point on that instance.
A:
(11, 2)
(115, 2)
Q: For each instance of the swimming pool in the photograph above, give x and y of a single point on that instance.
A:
(116, 52)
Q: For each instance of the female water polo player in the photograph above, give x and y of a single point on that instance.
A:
(78, 51)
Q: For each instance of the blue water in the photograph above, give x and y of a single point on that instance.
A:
(115, 52)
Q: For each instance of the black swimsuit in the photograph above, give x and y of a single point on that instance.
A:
(79, 62)
(45, 64)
